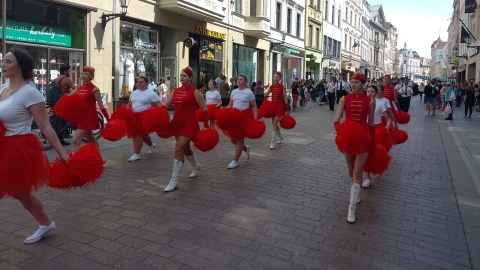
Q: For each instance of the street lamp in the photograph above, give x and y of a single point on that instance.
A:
(108, 17)
(455, 50)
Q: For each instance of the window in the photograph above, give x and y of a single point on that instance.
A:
(311, 3)
(310, 34)
(238, 6)
(345, 42)
(325, 48)
(279, 14)
(289, 21)
(299, 21)
(346, 14)
(350, 46)
(355, 19)
(317, 35)
(326, 10)
(351, 13)
(333, 14)
(318, 4)
(335, 43)
(339, 17)
(253, 8)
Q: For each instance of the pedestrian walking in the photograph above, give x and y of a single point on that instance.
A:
(449, 97)
(421, 90)
(162, 90)
(331, 92)
(405, 92)
(469, 100)
(25, 166)
(360, 109)
(141, 100)
(295, 93)
(184, 125)
(224, 92)
(259, 92)
(279, 98)
(430, 99)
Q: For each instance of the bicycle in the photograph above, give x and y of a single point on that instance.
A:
(63, 129)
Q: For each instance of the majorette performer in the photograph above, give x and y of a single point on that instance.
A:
(392, 95)
(24, 165)
(359, 110)
(279, 98)
(212, 97)
(184, 125)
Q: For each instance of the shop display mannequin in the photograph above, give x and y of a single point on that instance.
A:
(129, 71)
(140, 67)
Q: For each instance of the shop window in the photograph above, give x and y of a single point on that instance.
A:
(139, 56)
(209, 63)
(33, 21)
(245, 61)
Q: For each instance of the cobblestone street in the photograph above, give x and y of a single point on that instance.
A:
(282, 209)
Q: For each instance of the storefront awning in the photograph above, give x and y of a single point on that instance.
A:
(429, 78)
(73, 4)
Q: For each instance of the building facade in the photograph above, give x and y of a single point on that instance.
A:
(390, 48)
(409, 64)
(287, 28)
(352, 34)
(313, 39)
(365, 65)
(377, 41)
(425, 66)
(332, 38)
(439, 62)
(213, 37)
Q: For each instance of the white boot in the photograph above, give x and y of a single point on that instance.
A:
(196, 166)
(177, 167)
(354, 196)
(272, 143)
(280, 138)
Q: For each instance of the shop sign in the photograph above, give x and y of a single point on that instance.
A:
(39, 34)
(210, 33)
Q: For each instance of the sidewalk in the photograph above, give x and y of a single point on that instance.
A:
(282, 209)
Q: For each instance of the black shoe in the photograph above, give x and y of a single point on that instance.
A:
(64, 142)
(448, 119)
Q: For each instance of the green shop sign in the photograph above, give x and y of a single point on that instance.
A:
(39, 34)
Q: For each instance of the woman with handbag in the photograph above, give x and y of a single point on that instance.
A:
(449, 98)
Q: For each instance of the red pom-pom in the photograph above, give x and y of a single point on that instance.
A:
(206, 139)
(155, 119)
(164, 133)
(356, 139)
(383, 138)
(58, 175)
(378, 160)
(399, 136)
(226, 118)
(259, 114)
(268, 109)
(212, 111)
(71, 108)
(86, 164)
(3, 130)
(85, 167)
(254, 129)
(287, 122)
(115, 131)
(199, 114)
(402, 117)
(122, 113)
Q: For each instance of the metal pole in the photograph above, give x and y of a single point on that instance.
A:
(114, 60)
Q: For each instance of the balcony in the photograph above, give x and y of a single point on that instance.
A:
(258, 27)
(204, 10)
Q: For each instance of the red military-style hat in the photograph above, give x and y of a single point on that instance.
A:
(279, 73)
(188, 70)
(359, 77)
(88, 69)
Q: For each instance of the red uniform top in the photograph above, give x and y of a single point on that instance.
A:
(388, 92)
(357, 108)
(184, 122)
(90, 120)
(277, 97)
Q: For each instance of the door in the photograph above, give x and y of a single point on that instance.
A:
(169, 71)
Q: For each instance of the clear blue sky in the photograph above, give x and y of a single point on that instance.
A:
(419, 22)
